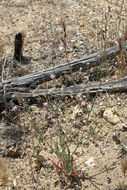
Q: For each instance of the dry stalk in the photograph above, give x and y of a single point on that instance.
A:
(122, 64)
(1, 47)
(4, 173)
(122, 185)
(124, 166)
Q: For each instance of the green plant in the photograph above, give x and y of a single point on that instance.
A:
(59, 142)
(60, 145)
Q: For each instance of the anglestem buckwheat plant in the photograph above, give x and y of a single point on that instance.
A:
(59, 142)
(60, 146)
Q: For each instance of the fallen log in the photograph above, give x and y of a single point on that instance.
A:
(26, 93)
(32, 80)
(25, 84)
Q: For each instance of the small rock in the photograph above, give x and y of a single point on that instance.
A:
(110, 117)
(90, 162)
(15, 183)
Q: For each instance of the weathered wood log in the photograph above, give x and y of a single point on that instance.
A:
(27, 93)
(85, 63)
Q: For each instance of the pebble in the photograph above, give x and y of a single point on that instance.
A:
(110, 117)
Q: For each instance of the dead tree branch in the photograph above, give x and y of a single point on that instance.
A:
(32, 80)
(25, 84)
(27, 93)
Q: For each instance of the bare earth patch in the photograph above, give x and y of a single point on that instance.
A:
(91, 26)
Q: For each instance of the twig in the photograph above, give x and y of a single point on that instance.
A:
(32, 173)
(3, 69)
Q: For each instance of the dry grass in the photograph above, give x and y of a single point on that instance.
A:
(4, 172)
(122, 184)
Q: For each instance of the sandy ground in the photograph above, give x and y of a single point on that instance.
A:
(91, 25)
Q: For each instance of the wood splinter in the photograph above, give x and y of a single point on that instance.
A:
(18, 50)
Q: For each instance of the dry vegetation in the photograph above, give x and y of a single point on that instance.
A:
(72, 142)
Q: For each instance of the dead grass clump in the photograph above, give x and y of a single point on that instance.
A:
(124, 165)
(4, 173)
(122, 185)
(1, 47)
